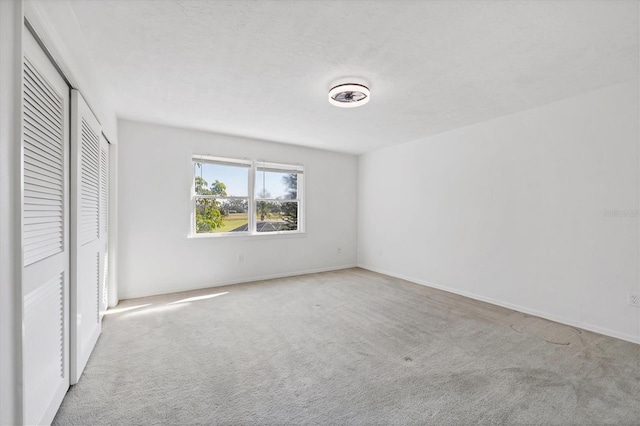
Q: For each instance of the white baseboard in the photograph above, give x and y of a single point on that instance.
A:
(596, 329)
(242, 280)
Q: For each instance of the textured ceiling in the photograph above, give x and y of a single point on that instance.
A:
(263, 69)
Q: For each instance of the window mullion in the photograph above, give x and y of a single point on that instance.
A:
(252, 202)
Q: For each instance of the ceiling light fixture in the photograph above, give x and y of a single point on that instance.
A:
(349, 95)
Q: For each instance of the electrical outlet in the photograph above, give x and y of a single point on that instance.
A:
(634, 300)
(240, 258)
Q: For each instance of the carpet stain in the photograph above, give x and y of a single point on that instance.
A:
(547, 331)
(557, 343)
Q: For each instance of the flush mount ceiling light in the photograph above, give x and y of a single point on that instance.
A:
(349, 95)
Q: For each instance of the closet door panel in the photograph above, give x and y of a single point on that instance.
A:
(104, 224)
(45, 235)
(85, 234)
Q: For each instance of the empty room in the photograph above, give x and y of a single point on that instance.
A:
(350, 212)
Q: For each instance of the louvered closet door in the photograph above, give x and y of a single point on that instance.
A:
(45, 236)
(104, 224)
(86, 244)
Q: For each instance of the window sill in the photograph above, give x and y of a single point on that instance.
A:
(259, 236)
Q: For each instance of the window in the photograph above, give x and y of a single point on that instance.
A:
(243, 197)
(221, 196)
(277, 202)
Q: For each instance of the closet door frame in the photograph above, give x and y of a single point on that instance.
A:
(11, 68)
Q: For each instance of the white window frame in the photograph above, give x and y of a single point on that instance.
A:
(253, 166)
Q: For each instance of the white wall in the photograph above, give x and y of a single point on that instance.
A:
(514, 211)
(155, 173)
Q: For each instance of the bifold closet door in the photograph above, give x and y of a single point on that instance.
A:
(104, 224)
(87, 247)
(45, 236)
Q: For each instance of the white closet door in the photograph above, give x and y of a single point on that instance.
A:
(104, 224)
(86, 244)
(45, 236)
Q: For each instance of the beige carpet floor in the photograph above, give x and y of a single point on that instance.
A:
(347, 347)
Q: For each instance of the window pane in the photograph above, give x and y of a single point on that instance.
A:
(281, 186)
(274, 216)
(221, 215)
(221, 179)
